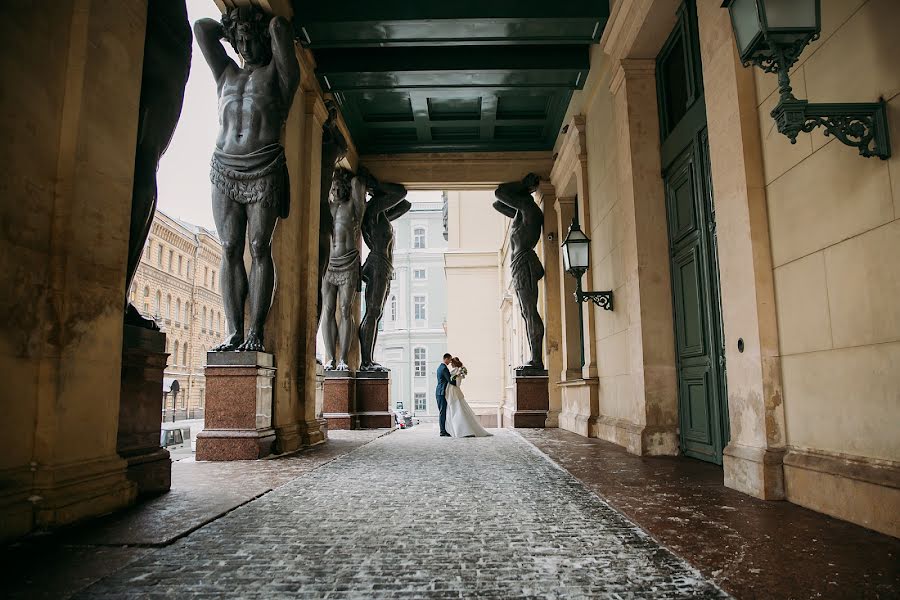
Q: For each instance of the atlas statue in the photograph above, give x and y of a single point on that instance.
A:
(388, 203)
(167, 63)
(515, 200)
(250, 189)
(347, 205)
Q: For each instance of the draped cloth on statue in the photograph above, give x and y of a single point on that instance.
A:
(343, 269)
(526, 269)
(259, 177)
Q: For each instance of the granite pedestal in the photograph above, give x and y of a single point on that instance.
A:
(140, 409)
(339, 406)
(532, 399)
(373, 400)
(238, 419)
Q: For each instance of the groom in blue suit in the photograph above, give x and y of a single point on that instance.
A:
(443, 380)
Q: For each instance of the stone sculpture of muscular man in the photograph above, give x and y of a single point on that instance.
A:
(387, 203)
(250, 188)
(341, 281)
(514, 200)
(167, 62)
(334, 148)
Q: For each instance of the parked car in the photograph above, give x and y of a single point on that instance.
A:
(174, 439)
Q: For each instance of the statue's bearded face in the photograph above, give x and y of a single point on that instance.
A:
(246, 28)
(340, 185)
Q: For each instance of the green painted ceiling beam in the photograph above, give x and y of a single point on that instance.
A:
(405, 10)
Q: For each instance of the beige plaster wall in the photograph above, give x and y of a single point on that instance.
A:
(473, 294)
(835, 236)
(834, 220)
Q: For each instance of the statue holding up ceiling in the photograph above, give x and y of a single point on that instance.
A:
(341, 282)
(387, 204)
(334, 148)
(249, 175)
(167, 63)
(514, 200)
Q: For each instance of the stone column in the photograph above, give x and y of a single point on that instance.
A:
(238, 417)
(70, 124)
(569, 327)
(753, 459)
(309, 418)
(550, 296)
(645, 299)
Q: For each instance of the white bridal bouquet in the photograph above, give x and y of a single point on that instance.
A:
(461, 374)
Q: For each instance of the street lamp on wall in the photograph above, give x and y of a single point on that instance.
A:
(576, 259)
(772, 34)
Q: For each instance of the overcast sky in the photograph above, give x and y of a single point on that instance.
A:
(183, 179)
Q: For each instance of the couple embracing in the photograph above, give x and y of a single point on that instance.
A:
(457, 418)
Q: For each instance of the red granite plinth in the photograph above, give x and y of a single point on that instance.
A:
(238, 417)
(140, 409)
(373, 401)
(532, 402)
(339, 405)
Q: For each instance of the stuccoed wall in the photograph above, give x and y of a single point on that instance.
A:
(834, 219)
(473, 295)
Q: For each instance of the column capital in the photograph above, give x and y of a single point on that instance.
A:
(315, 106)
(629, 69)
(561, 204)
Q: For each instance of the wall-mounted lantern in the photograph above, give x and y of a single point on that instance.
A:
(772, 34)
(576, 259)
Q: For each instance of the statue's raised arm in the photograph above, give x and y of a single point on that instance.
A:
(285, 58)
(209, 33)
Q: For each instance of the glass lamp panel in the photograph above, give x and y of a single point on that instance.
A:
(578, 254)
(745, 20)
(792, 14)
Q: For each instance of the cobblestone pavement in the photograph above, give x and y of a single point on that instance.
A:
(411, 515)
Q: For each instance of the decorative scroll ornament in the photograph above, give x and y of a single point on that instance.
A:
(602, 299)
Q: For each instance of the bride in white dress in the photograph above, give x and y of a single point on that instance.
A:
(461, 421)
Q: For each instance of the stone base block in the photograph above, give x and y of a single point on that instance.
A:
(234, 444)
(151, 472)
(532, 401)
(339, 408)
(373, 400)
(642, 440)
(238, 423)
(755, 471)
(141, 403)
(856, 489)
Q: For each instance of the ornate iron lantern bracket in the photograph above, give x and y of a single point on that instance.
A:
(862, 125)
(602, 299)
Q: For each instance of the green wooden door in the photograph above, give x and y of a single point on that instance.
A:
(699, 347)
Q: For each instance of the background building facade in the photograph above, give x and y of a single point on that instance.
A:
(412, 334)
(177, 285)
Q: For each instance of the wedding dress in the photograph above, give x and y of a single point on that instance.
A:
(461, 420)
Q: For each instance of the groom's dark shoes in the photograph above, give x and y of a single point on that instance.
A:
(445, 434)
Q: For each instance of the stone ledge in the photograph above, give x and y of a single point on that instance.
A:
(878, 472)
(641, 440)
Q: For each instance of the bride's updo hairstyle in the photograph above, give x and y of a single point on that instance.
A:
(456, 362)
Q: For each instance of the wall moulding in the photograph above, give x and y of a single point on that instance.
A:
(457, 170)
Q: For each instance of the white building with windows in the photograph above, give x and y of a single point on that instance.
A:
(412, 335)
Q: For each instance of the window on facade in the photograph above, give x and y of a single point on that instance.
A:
(147, 251)
(211, 329)
(203, 322)
(187, 313)
(420, 401)
(219, 323)
(159, 256)
(419, 274)
(169, 306)
(399, 405)
(420, 360)
(171, 257)
(174, 353)
(205, 276)
(419, 237)
(213, 280)
(188, 270)
(179, 264)
(393, 308)
(158, 306)
(419, 304)
(178, 310)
